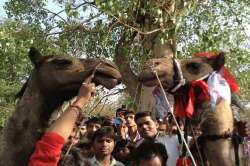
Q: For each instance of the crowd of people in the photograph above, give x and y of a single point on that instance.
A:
(129, 138)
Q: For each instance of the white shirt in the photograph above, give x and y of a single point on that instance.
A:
(94, 162)
(172, 146)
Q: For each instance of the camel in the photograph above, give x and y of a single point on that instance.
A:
(217, 125)
(53, 80)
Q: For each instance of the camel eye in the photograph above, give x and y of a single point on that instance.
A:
(194, 67)
(62, 62)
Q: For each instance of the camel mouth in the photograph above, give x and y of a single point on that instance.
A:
(108, 78)
(150, 79)
(116, 76)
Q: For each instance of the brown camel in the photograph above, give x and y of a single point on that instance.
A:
(216, 125)
(53, 80)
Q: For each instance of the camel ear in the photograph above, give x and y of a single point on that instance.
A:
(35, 56)
(218, 62)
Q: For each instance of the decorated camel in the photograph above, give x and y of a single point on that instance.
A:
(53, 80)
(217, 123)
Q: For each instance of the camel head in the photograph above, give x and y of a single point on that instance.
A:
(192, 69)
(63, 75)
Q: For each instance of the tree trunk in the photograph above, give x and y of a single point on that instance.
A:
(152, 41)
(123, 62)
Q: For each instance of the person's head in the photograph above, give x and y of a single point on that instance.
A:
(74, 158)
(103, 141)
(129, 116)
(86, 149)
(93, 124)
(83, 130)
(150, 153)
(146, 124)
(173, 127)
(162, 126)
(123, 149)
(119, 113)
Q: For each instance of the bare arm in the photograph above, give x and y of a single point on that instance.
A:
(64, 125)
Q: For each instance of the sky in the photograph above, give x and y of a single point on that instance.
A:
(51, 6)
(2, 12)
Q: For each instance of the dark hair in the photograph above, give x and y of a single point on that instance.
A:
(83, 145)
(144, 114)
(119, 110)
(106, 121)
(129, 111)
(74, 158)
(106, 131)
(94, 120)
(148, 150)
(124, 143)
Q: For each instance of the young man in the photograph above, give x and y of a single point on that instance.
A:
(148, 129)
(93, 124)
(103, 142)
(150, 153)
(120, 111)
(132, 135)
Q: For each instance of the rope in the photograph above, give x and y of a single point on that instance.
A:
(182, 81)
(171, 111)
(197, 146)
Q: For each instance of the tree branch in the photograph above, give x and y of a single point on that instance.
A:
(79, 27)
(103, 97)
(138, 30)
(73, 8)
(55, 14)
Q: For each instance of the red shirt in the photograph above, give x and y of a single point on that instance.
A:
(48, 150)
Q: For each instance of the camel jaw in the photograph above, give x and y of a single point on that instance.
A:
(148, 78)
(108, 81)
(108, 76)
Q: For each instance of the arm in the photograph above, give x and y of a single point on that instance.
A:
(48, 149)
(64, 125)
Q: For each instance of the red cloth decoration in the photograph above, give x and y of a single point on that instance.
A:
(183, 109)
(235, 88)
(209, 55)
(184, 161)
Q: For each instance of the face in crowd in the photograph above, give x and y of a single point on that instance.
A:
(120, 113)
(103, 141)
(147, 127)
(92, 126)
(129, 118)
(162, 128)
(83, 130)
(103, 145)
(123, 150)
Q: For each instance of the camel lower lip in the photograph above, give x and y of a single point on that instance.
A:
(151, 79)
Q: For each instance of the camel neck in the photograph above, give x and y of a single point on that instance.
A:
(24, 127)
